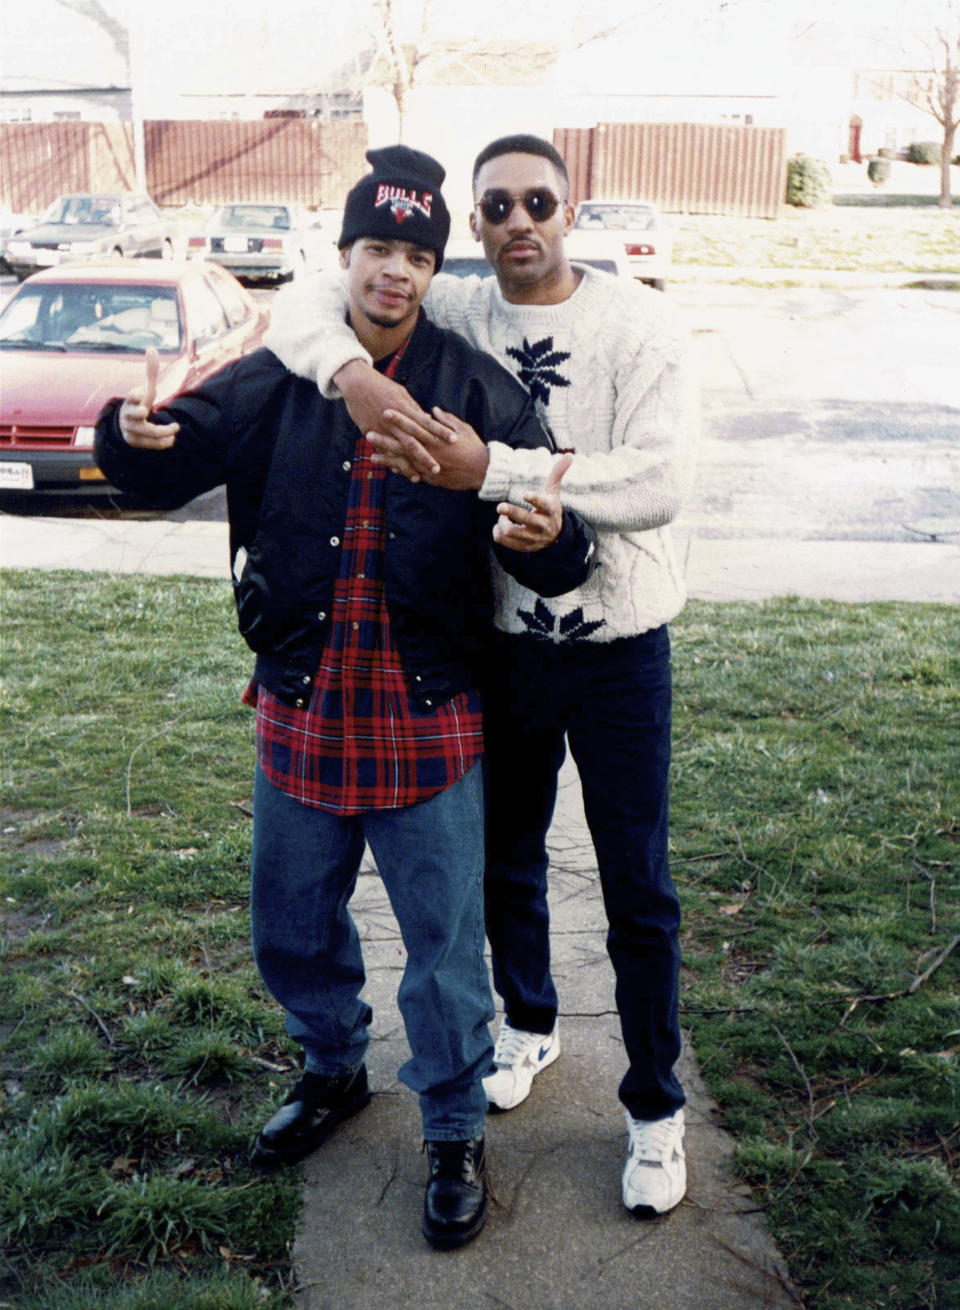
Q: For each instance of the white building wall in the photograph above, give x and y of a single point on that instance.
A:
(454, 124)
(51, 106)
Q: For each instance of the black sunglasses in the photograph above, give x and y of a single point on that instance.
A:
(496, 205)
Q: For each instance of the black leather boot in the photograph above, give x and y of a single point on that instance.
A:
(455, 1206)
(308, 1116)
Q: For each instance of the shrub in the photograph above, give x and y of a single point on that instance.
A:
(878, 170)
(809, 184)
(924, 152)
(887, 152)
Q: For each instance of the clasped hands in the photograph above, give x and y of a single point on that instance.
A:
(442, 450)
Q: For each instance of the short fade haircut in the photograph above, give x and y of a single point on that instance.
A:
(520, 143)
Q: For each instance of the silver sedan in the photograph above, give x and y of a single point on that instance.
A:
(265, 241)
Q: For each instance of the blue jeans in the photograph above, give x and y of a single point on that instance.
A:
(612, 703)
(430, 857)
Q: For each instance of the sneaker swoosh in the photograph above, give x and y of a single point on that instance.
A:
(544, 1052)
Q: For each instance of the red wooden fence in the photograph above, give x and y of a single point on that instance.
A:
(695, 168)
(700, 168)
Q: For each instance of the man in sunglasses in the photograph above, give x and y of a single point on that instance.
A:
(610, 372)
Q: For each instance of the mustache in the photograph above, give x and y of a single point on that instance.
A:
(516, 242)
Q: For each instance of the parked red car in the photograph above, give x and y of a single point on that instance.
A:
(76, 336)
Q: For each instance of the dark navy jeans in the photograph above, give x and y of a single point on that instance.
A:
(612, 703)
(430, 858)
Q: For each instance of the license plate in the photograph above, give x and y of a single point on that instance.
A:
(46, 256)
(235, 245)
(16, 477)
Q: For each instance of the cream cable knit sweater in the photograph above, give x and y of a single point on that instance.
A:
(610, 372)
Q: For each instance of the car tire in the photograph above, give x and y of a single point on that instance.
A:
(166, 250)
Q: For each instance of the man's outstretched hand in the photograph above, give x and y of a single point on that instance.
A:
(135, 425)
(532, 529)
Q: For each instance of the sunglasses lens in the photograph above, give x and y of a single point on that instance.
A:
(496, 206)
(540, 204)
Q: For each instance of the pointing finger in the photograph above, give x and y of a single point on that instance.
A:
(553, 479)
(153, 372)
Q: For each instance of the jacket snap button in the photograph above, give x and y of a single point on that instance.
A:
(334, 541)
(346, 466)
(300, 703)
(428, 702)
(322, 615)
(305, 680)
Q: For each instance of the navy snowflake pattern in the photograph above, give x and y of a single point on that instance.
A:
(538, 367)
(544, 624)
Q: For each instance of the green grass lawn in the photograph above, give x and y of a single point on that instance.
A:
(815, 832)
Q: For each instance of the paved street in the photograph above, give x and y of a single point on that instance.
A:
(827, 414)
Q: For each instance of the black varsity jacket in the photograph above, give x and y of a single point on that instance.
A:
(284, 454)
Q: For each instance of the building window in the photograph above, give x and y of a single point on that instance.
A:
(66, 115)
(16, 115)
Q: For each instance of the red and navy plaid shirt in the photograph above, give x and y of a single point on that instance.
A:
(360, 744)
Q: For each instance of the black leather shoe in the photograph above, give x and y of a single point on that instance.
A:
(308, 1116)
(455, 1206)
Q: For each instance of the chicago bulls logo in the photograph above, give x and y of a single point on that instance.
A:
(403, 202)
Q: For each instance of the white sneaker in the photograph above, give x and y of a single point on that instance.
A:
(518, 1056)
(655, 1175)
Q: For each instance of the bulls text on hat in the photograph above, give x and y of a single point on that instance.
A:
(403, 202)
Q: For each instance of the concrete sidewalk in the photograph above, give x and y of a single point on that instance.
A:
(557, 1237)
(716, 568)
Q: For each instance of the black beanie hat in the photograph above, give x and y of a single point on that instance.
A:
(399, 201)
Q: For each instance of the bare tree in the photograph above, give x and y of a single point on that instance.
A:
(410, 44)
(109, 23)
(936, 88)
(397, 60)
(120, 37)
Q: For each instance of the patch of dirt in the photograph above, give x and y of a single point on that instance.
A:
(18, 829)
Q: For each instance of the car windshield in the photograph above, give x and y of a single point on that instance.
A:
(615, 217)
(87, 317)
(104, 211)
(242, 218)
(466, 266)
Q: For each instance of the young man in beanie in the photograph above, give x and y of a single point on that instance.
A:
(610, 371)
(368, 602)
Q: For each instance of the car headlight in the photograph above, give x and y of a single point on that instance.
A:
(84, 438)
(19, 248)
